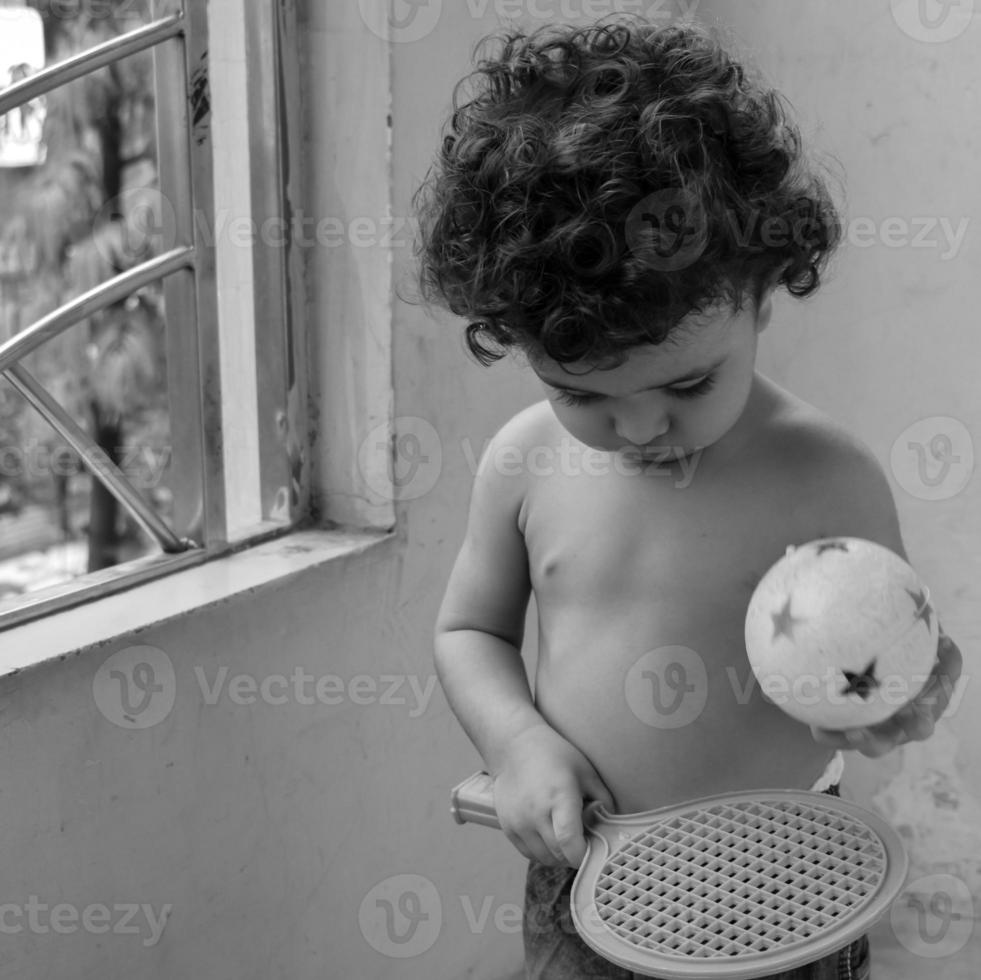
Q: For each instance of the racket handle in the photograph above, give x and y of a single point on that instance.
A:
(472, 801)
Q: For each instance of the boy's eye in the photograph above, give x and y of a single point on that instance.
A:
(703, 386)
(695, 390)
(568, 398)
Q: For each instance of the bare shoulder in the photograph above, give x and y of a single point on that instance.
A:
(509, 448)
(832, 475)
(532, 426)
(502, 472)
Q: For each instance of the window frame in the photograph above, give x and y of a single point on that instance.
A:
(339, 312)
(197, 360)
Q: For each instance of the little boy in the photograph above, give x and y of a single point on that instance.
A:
(618, 204)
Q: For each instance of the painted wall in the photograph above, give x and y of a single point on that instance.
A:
(889, 95)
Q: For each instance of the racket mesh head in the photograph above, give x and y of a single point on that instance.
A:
(737, 878)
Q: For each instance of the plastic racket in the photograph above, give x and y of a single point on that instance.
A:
(738, 885)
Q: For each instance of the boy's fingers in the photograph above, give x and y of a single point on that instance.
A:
(595, 789)
(569, 841)
(915, 721)
(518, 843)
(524, 834)
(831, 737)
(822, 735)
(532, 847)
(949, 658)
(921, 727)
(864, 740)
(933, 692)
(875, 747)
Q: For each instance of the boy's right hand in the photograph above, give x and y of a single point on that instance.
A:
(539, 793)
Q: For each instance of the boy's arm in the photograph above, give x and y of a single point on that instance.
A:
(480, 624)
(540, 778)
(857, 501)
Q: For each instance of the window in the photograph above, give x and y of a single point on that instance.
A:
(160, 388)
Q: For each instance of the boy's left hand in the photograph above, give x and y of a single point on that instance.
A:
(913, 722)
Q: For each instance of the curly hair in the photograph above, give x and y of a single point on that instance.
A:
(605, 182)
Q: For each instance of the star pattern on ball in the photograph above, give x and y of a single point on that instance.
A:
(862, 684)
(832, 546)
(784, 622)
(923, 608)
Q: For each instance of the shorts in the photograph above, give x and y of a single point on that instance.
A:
(554, 950)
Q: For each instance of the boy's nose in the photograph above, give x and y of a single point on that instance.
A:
(641, 428)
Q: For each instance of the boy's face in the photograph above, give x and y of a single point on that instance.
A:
(671, 399)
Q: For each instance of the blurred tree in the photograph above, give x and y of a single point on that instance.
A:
(81, 217)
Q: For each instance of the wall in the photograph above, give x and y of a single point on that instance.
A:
(888, 95)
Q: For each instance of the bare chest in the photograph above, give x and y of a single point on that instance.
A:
(645, 540)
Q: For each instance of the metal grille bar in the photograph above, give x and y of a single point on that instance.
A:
(101, 467)
(94, 301)
(89, 61)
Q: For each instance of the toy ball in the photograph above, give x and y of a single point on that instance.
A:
(840, 633)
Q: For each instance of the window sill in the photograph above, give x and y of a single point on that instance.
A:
(180, 593)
